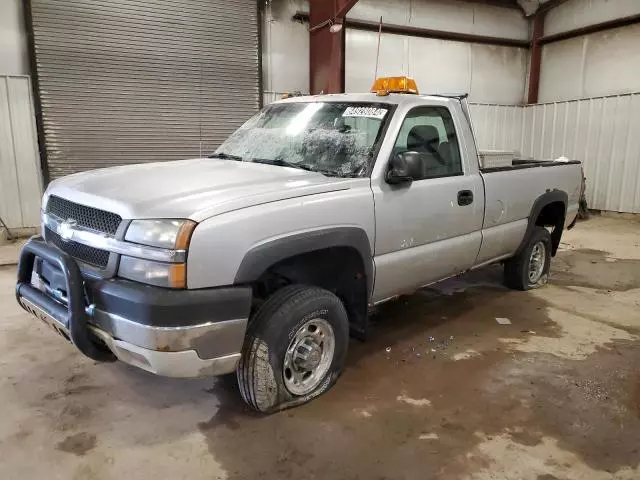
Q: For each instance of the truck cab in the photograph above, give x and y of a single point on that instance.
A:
(264, 257)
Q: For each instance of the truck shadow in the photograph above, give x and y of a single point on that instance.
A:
(433, 381)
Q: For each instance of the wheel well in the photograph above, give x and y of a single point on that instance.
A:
(340, 270)
(553, 215)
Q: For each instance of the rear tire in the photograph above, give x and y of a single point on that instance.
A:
(294, 350)
(530, 268)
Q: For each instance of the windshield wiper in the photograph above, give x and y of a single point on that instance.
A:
(283, 163)
(226, 156)
(303, 166)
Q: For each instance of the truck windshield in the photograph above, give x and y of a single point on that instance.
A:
(335, 139)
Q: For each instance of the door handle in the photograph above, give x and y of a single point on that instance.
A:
(465, 197)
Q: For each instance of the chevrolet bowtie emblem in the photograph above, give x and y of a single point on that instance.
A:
(66, 229)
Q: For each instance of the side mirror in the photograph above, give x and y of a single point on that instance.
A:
(404, 168)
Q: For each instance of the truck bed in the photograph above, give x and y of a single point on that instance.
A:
(510, 193)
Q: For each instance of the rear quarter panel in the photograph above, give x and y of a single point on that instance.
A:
(510, 195)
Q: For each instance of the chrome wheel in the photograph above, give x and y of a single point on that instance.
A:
(536, 262)
(308, 357)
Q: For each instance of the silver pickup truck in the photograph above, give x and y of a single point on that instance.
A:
(263, 258)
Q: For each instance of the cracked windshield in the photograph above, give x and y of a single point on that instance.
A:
(335, 139)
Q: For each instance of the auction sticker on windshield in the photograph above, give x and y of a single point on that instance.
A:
(368, 112)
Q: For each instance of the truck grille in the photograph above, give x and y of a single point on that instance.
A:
(84, 253)
(88, 217)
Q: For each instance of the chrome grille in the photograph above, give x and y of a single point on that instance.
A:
(87, 217)
(84, 253)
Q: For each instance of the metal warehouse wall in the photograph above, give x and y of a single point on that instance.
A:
(603, 63)
(603, 134)
(498, 127)
(581, 13)
(20, 184)
(490, 73)
(20, 180)
(285, 49)
(13, 39)
(448, 15)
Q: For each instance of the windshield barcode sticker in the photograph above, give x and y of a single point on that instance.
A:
(368, 112)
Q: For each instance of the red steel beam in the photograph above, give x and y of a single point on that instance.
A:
(326, 48)
(598, 27)
(343, 7)
(498, 3)
(536, 57)
(438, 34)
(550, 5)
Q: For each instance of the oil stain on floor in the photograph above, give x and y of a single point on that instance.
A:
(406, 409)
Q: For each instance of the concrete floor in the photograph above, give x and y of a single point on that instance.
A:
(553, 395)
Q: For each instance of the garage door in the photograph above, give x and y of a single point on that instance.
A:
(127, 81)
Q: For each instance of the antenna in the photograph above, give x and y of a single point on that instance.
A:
(375, 76)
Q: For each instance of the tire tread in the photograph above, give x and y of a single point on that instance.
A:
(254, 368)
(514, 274)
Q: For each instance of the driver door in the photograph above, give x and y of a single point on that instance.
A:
(428, 229)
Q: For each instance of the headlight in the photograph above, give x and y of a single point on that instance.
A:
(173, 234)
(170, 275)
(167, 234)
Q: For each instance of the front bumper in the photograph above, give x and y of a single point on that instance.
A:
(175, 333)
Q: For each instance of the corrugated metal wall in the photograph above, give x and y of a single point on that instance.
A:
(498, 127)
(20, 186)
(601, 132)
(125, 81)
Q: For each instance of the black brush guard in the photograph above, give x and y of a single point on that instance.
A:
(73, 316)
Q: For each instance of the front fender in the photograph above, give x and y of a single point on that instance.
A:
(237, 246)
(261, 257)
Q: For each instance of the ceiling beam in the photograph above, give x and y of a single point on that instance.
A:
(598, 27)
(437, 34)
(498, 3)
(551, 4)
(343, 7)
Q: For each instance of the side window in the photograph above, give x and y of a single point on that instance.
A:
(430, 132)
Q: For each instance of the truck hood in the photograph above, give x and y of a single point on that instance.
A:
(195, 189)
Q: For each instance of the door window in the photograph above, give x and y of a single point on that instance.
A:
(430, 131)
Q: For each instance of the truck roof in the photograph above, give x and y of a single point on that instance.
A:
(392, 98)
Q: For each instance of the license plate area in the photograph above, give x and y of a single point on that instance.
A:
(45, 318)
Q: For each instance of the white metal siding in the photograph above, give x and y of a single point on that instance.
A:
(447, 15)
(498, 127)
(603, 63)
(489, 73)
(600, 132)
(13, 39)
(581, 13)
(20, 186)
(130, 81)
(285, 48)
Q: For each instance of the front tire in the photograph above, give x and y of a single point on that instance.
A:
(530, 268)
(294, 350)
